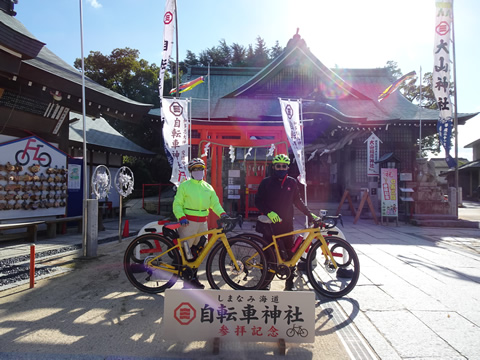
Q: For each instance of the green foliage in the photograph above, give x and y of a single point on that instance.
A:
(233, 55)
(124, 73)
(421, 94)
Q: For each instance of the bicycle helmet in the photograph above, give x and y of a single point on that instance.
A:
(281, 159)
(195, 162)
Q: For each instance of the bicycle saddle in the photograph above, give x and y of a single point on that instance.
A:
(264, 219)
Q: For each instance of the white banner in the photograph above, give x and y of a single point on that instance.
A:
(175, 133)
(373, 149)
(291, 122)
(168, 28)
(441, 73)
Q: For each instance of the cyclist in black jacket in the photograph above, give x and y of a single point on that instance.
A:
(275, 198)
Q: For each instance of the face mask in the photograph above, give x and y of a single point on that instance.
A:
(280, 173)
(197, 175)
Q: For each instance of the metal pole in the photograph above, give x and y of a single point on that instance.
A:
(120, 220)
(85, 177)
(420, 116)
(208, 75)
(303, 157)
(455, 120)
(176, 47)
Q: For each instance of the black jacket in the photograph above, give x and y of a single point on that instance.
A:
(280, 196)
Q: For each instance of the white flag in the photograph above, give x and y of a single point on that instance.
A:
(175, 133)
(291, 122)
(168, 22)
(373, 151)
(441, 74)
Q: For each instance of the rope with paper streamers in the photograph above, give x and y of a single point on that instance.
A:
(205, 150)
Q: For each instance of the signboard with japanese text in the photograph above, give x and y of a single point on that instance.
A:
(260, 316)
(175, 133)
(389, 186)
(373, 149)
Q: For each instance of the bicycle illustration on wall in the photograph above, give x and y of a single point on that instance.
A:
(23, 157)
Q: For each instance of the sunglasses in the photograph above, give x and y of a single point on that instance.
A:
(197, 168)
(281, 166)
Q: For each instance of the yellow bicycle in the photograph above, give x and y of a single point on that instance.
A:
(154, 262)
(331, 264)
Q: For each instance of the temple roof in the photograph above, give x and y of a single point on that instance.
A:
(347, 96)
(30, 68)
(100, 135)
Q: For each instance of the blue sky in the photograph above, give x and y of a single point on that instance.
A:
(343, 33)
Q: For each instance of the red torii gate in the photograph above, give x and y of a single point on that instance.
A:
(238, 135)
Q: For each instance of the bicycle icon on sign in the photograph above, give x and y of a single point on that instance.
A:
(297, 330)
(23, 157)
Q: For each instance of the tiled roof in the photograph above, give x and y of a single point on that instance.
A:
(232, 94)
(100, 133)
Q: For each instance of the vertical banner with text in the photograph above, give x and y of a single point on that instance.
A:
(167, 45)
(291, 122)
(175, 133)
(389, 192)
(373, 149)
(441, 74)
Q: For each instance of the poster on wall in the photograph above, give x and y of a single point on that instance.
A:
(389, 192)
(33, 179)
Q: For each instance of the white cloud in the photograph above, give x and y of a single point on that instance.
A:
(95, 4)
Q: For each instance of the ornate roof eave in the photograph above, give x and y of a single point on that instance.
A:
(296, 44)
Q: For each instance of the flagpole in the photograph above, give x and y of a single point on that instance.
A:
(420, 115)
(85, 178)
(208, 74)
(303, 158)
(176, 49)
(455, 120)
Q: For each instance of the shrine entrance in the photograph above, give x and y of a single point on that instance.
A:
(238, 157)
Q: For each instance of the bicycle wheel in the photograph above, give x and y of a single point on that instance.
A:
(221, 271)
(145, 278)
(270, 255)
(322, 274)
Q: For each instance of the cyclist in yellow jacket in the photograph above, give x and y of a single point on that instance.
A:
(193, 200)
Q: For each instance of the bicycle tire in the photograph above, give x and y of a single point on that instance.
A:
(148, 279)
(46, 162)
(270, 255)
(290, 332)
(18, 158)
(221, 272)
(323, 277)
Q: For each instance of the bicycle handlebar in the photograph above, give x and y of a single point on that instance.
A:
(228, 223)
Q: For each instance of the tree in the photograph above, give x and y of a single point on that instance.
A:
(411, 91)
(123, 72)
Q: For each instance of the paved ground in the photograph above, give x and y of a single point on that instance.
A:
(418, 297)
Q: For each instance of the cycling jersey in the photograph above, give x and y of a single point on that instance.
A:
(279, 195)
(195, 198)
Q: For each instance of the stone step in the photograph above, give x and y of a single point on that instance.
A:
(434, 217)
(446, 223)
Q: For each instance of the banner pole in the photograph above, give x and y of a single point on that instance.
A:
(303, 158)
(455, 120)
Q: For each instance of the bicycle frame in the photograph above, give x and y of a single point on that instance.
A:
(216, 234)
(313, 233)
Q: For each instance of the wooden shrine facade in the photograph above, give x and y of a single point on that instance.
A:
(239, 108)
